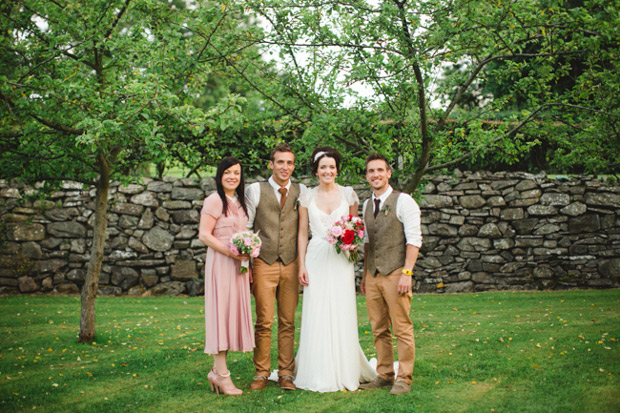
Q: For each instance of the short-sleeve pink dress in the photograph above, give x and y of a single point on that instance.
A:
(228, 311)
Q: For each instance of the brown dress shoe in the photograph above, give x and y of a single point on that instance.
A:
(286, 383)
(376, 383)
(259, 383)
(400, 387)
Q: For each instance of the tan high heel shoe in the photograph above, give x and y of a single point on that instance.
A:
(222, 383)
(211, 377)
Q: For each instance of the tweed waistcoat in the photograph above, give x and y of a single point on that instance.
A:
(388, 246)
(277, 228)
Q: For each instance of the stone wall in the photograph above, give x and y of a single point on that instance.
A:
(518, 231)
(481, 231)
(152, 245)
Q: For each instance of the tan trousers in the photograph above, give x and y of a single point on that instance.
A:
(386, 307)
(271, 282)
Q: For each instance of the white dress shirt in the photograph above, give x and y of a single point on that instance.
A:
(407, 212)
(252, 197)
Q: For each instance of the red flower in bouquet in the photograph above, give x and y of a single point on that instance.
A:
(346, 235)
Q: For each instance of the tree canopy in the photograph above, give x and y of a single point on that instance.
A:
(89, 90)
(379, 75)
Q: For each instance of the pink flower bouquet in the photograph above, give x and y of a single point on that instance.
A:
(347, 234)
(245, 242)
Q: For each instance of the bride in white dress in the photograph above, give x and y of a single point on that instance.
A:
(329, 357)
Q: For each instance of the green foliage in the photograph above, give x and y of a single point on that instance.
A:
(424, 61)
(20, 265)
(97, 83)
(578, 125)
(505, 351)
(92, 90)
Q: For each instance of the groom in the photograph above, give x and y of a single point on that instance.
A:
(391, 249)
(272, 212)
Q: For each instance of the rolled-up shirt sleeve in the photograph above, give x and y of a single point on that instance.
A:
(366, 239)
(408, 212)
(252, 197)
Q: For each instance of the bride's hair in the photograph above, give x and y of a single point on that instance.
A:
(322, 152)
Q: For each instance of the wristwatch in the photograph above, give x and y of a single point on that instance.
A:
(407, 272)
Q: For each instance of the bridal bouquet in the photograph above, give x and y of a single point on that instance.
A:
(347, 234)
(245, 242)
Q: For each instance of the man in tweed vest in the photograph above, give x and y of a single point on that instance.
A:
(393, 240)
(272, 211)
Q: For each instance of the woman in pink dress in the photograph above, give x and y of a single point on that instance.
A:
(228, 313)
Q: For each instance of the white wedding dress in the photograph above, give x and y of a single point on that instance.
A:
(329, 357)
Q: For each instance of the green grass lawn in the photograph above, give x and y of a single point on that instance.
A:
(499, 351)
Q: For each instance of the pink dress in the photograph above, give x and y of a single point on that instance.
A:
(228, 311)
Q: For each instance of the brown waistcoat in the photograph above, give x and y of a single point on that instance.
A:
(277, 228)
(387, 243)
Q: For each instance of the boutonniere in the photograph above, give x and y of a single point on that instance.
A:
(386, 210)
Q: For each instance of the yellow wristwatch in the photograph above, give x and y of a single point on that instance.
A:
(407, 272)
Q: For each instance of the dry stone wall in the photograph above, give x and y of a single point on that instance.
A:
(481, 232)
(152, 245)
(518, 231)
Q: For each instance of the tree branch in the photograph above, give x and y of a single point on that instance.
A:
(509, 134)
(58, 127)
(118, 18)
(208, 38)
(258, 89)
(332, 44)
(602, 112)
(474, 74)
(289, 47)
(422, 160)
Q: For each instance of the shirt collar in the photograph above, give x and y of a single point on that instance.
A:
(384, 195)
(275, 186)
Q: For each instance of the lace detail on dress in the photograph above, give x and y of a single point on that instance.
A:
(347, 193)
(350, 196)
(306, 197)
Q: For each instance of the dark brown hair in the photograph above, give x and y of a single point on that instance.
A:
(240, 191)
(377, 156)
(283, 147)
(328, 152)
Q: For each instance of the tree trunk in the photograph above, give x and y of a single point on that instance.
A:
(91, 284)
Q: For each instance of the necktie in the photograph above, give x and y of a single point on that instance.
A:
(282, 192)
(377, 203)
